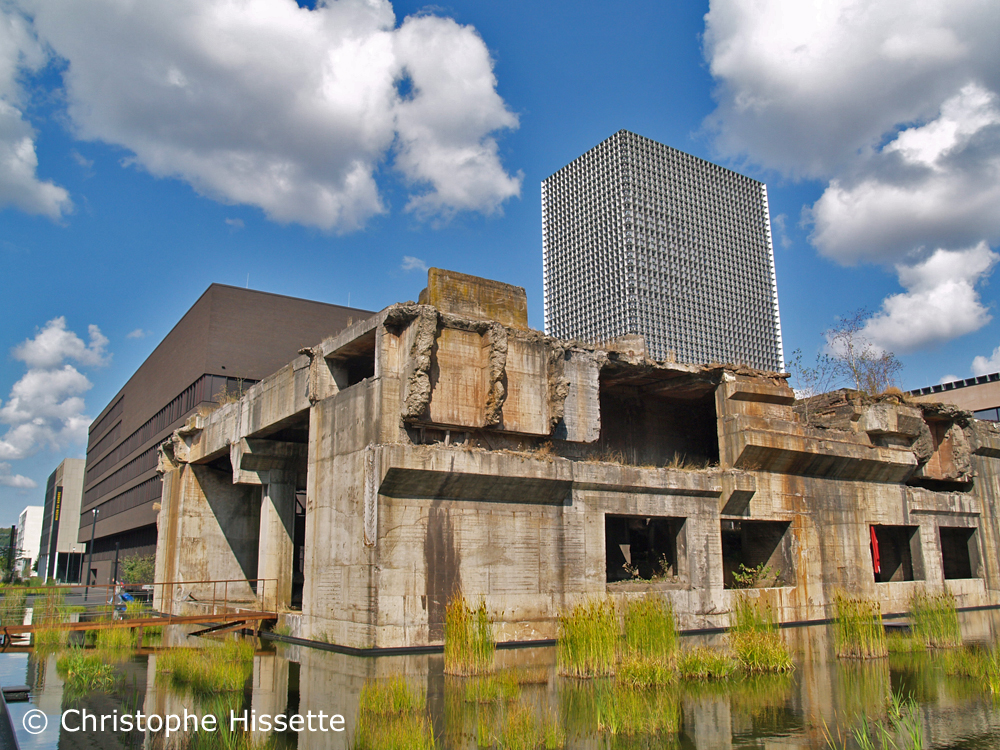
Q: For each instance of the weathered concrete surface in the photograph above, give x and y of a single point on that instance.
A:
(441, 451)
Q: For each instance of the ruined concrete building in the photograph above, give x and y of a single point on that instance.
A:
(443, 446)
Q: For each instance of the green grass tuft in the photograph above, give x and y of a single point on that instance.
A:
(755, 638)
(392, 716)
(588, 639)
(704, 663)
(935, 620)
(469, 645)
(858, 629)
(218, 668)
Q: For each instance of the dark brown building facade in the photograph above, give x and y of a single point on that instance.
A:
(229, 339)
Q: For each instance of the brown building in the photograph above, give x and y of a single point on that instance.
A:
(229, 339)
(980, 395)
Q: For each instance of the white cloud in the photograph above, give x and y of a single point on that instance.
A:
(53, 344)
(894, 103)
(986, 365)
(138, 333)
(948, 379)
(45, 408)
(289, 109)
(235, 223)
(941, 301)
(7, 479)
(413, 264)
(20, 186)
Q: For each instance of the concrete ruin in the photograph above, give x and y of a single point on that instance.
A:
(443, 446)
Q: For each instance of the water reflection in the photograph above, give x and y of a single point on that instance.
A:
(823, 698)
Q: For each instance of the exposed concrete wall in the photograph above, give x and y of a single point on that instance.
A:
(452, 453)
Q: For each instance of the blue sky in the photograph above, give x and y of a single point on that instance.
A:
(875, 126)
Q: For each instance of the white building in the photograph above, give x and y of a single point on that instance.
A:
(29, 539)
(640, 238)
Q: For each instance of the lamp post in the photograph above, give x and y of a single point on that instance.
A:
(76, 564)
(90, 555)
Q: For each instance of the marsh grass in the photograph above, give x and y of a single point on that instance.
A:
(650, 629)
(469, 646)
(895, 726)
(86, 672)
(218, 668)
(116, 644)
(935, 620)
(755, 638)
(903, 643)
(588, 642)
(499, 687)
(639, 672)
(519, 728)
(858, 628)
(12, 604)
(625, 711)
(983, 665)
(704, 663)
(392, 716)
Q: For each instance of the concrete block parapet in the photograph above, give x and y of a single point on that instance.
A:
(432, 450)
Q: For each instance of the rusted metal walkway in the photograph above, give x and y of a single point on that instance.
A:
(222, 614)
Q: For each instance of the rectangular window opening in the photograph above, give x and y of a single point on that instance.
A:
(959, 552)
(645, 548)
(756, 554)
(895, 552)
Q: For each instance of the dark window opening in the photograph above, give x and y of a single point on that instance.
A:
(959, 552)
(645, 548)
(353, 362)
(896, 554)
(299, 554)
(651, 422)
(756, 554)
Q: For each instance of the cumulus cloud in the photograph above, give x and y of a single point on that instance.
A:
(21, 53)
(290, 109)
(45, 408)
(895, 105)
(53, 344)
(941, 301)
(986, 365)
(8, 479)
(412, 264)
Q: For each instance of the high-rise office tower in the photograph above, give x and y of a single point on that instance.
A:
(638, 237)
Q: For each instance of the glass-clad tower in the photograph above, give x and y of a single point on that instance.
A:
(638, 237)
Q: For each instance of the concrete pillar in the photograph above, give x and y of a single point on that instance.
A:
(276, 546)
(270, 689)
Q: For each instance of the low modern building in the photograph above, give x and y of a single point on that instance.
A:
(979, 395)
(228, 340)
(444, 447)
(60, 554)
(29, 539)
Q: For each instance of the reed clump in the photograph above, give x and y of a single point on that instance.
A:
(500, 687)
(392, 716)
(12, 607)
(650, 629)
(858, 628)
(588, 639)
(755, 638)
(221, 668)
(521, 729)
(116, 644)
(935, 620)
(704, 663)
(983, 665)
(622, 711)
(469, 646)
(85, 672)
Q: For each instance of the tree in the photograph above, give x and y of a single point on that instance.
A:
(858, 361)
(810, 381)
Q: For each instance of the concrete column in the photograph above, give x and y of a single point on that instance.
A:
(270, 689)
(276, 548)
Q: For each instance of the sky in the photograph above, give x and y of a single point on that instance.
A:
(334, 151)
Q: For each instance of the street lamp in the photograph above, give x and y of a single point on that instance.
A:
(90, 555)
